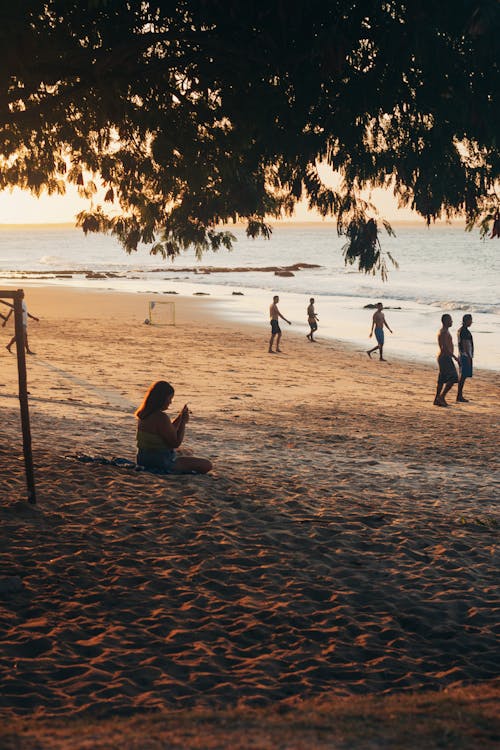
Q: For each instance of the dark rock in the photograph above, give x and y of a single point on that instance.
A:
(372, 306)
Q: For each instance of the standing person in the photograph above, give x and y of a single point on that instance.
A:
(274, 315)
(447, 372)
(312, 319)
(26, 315)
(466, 354)
(158, 436)
(378, 323)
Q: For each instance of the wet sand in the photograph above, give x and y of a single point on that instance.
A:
(345, 543)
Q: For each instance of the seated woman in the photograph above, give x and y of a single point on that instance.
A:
(158, 436)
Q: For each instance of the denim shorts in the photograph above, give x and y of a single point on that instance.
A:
(162, 460)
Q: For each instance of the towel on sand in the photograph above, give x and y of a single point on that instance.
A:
(121, 463)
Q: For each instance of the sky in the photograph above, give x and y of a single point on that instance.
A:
(20, 207)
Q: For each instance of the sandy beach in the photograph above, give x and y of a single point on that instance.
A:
(346, 543)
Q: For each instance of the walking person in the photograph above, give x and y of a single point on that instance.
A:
(312, 319)
(274, 315)
(466, 354)
(26, 315)
(447, 372)
(378, 323)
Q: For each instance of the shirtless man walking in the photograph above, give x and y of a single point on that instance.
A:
(274, 315)
(312, 319)
(447, 372)
(378, 323)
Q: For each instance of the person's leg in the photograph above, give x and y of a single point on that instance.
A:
(460, 389)
(191, 464)
(278, 342)
(443, 386)
(447, 387)
(271, 343)
(379, 334)
(438, 393)
(26, 345)
(6, 318)
(465, 372)
(377, 337)
(8, 347)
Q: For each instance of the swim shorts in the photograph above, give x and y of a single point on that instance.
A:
(379, 335)
(313, 325)
(447, 370)
(465, 366)
(275, 327)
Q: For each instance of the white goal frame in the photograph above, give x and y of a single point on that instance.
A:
(152, 304)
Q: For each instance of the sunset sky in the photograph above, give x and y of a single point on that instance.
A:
(20, 207)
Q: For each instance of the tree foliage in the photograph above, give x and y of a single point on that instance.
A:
(193, 114)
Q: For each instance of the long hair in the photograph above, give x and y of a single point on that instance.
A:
(155, 398)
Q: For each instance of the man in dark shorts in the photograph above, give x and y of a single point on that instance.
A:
(466, 353)
(312, 319)
(447, 372)
(274, 315)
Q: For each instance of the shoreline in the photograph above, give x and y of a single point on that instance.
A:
(239, 307)
(444, 271)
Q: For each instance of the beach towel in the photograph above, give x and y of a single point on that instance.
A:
(121, 463)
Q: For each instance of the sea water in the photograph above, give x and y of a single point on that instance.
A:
(441, 269)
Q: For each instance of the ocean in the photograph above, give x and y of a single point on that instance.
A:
(441, 269)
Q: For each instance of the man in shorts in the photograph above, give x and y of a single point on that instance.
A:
(466, 353)
(378, 323)
(26, 315)
(447, 372)
(274, 315)
(312, 319)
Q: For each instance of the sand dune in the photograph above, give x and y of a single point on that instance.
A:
(344, 544)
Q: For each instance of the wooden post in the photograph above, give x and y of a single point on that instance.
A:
(17, 297)
(23, 395)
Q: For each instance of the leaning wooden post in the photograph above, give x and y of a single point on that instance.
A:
(23, 394)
